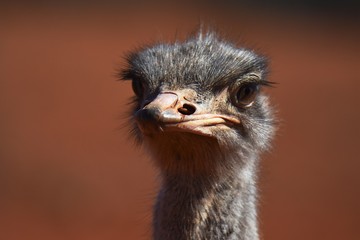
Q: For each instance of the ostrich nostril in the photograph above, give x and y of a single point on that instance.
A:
(187, 109)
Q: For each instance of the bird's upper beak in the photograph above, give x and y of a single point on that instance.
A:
(177, 111)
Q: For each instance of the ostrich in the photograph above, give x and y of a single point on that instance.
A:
(199, 111)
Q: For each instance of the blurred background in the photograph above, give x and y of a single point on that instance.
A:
(68, 169)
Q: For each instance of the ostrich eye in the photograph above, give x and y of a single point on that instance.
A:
(245, 94)
(137, 87)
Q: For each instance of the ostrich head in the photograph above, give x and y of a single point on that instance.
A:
(198, 105)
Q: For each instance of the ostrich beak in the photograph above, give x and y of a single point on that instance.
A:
(172, 111)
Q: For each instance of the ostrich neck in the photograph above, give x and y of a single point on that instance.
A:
(208, 208)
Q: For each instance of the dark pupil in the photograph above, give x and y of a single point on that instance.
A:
(137, 87)
(247, 91)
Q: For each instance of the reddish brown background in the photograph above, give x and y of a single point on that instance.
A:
(68, 169)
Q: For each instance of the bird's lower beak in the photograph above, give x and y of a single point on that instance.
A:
(170, 111)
